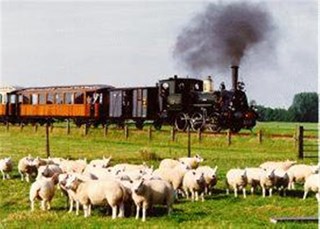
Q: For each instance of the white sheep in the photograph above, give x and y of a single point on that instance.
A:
(146, 193)
(253, 177)
(300, 172)
(96, 192)
(236, 179)
(43, 189)
(285, 165)
(312, 184)
(27, 167)
(101, 163)
(6, 167)
(267, 181)
(210, 177)
(168, 163)
(192, 162)
(194, 183)
(77, 166)
(48, 170)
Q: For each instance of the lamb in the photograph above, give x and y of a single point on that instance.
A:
(96, 192)
(267, 180)
(299, 173)
(101, 163)
(253, 177)
(281, 180)
(192, 162)
(48, 170)
(194, 182)
(146, 193)
(27, 168)
(312, 184)
(6, 167)
(168, 163)
(237, 179)
(44, 190)
(209, 177)
(285, 165)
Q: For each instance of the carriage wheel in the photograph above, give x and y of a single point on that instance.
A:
(157, 124)
(181, 121)
(139, 124)
(214, 124)
(197, 121)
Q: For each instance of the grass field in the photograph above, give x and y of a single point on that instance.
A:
(218, 211)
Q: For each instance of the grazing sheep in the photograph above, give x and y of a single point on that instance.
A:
(312, 184)
(48, 170)
(27, 168)
(300, 172)
(168, 163)
(43, 189)
(101, 163)
(69, 166)
(285, 165)
(267, 181)
(6, 167)
(192, 162)
(130, 167)
(194, 182)
(146, 193)
(253, 177)
(281, 180)
(210, 177)
(237, 179)
(96, 192)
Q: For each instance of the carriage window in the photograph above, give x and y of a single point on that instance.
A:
(42, 98)
(25, 99)
(69, 98)
(1, 99)
(196, 87)
(34, 98)
(50, 99)
(20, 98)
(101, 98)
(59, 98)
(79, 98)
(12, 99)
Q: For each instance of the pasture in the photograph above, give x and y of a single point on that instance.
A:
(218, 211)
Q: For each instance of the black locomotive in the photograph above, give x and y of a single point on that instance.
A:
(182, 102)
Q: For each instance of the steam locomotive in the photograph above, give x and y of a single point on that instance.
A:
(181, 102)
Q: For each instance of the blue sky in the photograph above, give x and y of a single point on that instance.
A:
(130, 43)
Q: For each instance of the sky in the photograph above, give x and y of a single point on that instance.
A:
(131, 43)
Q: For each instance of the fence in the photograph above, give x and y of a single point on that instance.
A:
(308, 147)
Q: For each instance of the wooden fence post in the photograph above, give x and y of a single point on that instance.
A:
(173, 134)
(199, 135)
(300, 142)
(259, 136)
(21, 126)
(35, 127)
(85, 129)
(7, 126)
(105, 130)
(68, 126)
(47, 140)
(51, 127)
(189, 141)
(229, 137)
(126, 131)
(150, 133)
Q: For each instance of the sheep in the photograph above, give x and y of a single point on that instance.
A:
(48, 170)
(210, 177)
(96, 192)
(43, 189)
(312, 184)
(194, 182)
(299, 173)
(129, 167)
(267, 180)
(237, 179)
(6, 167)
(285, 165)
(77, 166)
(253, 177)
(101, 163)
(146, 193)
(281, 180)
(192, 162)
(168, 163)
(27, 168)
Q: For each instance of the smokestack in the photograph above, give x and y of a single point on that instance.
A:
(234, 77)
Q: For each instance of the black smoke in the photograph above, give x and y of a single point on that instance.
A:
(222, 35)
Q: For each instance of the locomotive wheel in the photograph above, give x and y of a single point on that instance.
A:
(181, 121)
(197, 122)
(139, 124)
(214, 123)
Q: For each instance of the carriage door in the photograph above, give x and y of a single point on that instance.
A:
(140, 98)
(115, 104)
(12, 105)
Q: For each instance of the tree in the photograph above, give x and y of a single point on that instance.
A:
(304, 107)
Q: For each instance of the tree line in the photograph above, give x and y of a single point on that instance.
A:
(304, 108)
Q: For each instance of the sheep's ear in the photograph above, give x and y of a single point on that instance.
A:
(85, 159)
(215, 169)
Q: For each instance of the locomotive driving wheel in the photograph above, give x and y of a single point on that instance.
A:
(181, 121)
(214, 124)
(197, 121)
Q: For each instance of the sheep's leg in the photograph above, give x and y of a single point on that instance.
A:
(292, 186)
(71, 205)
(48, 205)
(22, 176)
(32, 205)
(305, 195)
(244, 192)
(202, 196)
(137, 211)
(206, 190)
(192, 195)
(227, 191)
(196, 195)
(252, 190)
(186, 193)
(27, 178)
(43, 205)
(85, 210)
(235, 191)
(8, 176)
(89, 210)
(169, 209)
(263, 191)
(121, 210)
(114, 211)
(3, 175)
(77, 207)
(144, 212)
(270, 192)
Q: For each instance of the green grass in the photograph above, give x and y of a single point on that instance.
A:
(218, 211)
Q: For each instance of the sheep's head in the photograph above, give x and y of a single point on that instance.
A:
(138, 187)
(198, 158)
(72, 182)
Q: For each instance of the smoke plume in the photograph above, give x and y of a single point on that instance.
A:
(221, 35)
